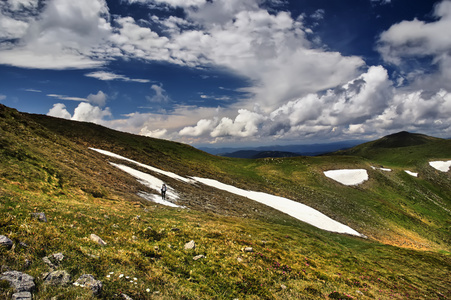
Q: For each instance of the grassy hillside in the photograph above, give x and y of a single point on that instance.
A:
(46, 166)
(402, 149)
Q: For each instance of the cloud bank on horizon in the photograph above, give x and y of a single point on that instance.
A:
(296, 86)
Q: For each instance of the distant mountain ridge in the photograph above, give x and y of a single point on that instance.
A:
(282, 150)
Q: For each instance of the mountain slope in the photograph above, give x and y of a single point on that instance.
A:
(402, 148)
(46, 165)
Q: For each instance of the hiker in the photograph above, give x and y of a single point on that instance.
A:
(163, 191)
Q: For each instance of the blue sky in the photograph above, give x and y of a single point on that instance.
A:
(223, 72)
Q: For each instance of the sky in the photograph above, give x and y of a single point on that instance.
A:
(232, 72)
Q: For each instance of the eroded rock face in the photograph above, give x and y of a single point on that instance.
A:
(21, 282)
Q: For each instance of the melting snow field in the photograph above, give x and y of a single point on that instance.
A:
(411, 173)
(443, 166)
(382, 169)
(295, 209)
(348, 176)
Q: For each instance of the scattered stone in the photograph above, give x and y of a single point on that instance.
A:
(126, 297)
(5, 242)
(57, 278)
(22, 296)
(21, 282)
(115, 226)
(40, 216)
(198, 257)
(134, 237)
(190, 245)
(248, 249)
(47, 261)
(283, 286)
(23, 245)
(239, 259)
(359, 292)
(58, 257)
(88, 281)
(97, 239)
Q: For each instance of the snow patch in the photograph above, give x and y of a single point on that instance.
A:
(153, 169)
(382, 169)
(443, 166)
(151, 182)
(348, 176)
(411, 173)
(295, 209)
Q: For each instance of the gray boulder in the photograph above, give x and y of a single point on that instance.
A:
(88, 281)
(5, 242)
(57, 278)
(21, 282)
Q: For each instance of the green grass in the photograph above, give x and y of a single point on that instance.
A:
(46, 166)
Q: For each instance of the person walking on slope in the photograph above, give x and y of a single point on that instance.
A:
(163, 191)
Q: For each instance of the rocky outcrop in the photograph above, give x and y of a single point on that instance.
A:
(23, 284)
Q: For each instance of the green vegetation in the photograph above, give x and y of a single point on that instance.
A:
(46, 166)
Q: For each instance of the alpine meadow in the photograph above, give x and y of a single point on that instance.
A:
(68, 211)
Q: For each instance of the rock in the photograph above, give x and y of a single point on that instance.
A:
(248, 249)
(88, 281)
(198, 257)
(126, 297)
(97, 239)
(21, 282)
(58, 257)
(190, 245)
(47, 261)
(5, 242)
(40, 216)
(57, 278)
(22, 296)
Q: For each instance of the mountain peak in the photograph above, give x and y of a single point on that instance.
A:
(402, 139)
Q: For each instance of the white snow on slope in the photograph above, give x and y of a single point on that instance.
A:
(153, 169)
(443, 166)
(411, 173)
(382, 169)
(151, 182)
(295, 209)
(348, 176)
